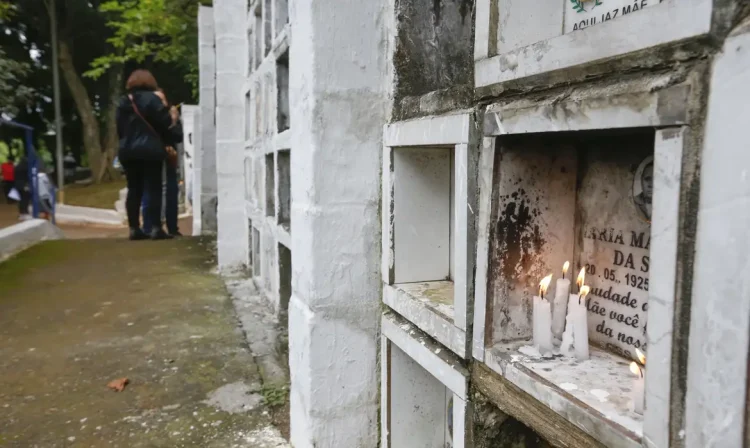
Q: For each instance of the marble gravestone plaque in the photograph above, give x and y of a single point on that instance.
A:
(613, 238)
(581, 14)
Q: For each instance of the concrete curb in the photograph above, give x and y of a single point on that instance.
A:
(23, 235)
(72, 214)
(261, 329)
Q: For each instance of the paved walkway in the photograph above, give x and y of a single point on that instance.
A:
(75, 315)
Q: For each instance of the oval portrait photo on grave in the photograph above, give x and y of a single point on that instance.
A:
(643, 187)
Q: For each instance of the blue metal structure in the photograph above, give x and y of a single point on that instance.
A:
(33, 161)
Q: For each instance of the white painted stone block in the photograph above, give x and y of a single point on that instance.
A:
(334, 377)
(720, 311)
(664, 231)
(336, 263)
(523, 23)
(668, 22)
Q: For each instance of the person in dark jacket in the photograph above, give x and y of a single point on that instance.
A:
(143, 125)
(171, 191)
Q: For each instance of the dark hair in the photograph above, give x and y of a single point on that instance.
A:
(141, 79)
(166, 98)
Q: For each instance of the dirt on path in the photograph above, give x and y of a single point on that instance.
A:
(77, 314)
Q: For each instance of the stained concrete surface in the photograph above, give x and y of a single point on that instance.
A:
(75, 315)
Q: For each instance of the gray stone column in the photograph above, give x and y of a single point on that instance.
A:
(207, 90)
(230, 20)
(338, 97)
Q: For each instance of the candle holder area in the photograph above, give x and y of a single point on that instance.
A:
(586, 181)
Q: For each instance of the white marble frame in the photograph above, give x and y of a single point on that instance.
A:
(459, 130)
(671, 21)
(603, 112)
(443, 366)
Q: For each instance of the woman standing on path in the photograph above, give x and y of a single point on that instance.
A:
(171, 192)
(143, 126)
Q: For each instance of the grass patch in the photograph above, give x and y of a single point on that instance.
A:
(101, 195)
(16, 269)
(274, 395)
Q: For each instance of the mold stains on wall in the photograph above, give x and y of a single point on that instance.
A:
(434, 45)
(533, 219)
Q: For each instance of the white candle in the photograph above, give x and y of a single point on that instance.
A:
(566, 347)
(638, 388)
(560, 304)
(542, 319)
(581, 325)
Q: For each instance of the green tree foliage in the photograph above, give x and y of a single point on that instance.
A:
(163, 30)
(13, 92)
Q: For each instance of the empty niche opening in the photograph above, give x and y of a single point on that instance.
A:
(285, 181)
(259, 94)
(249, 179)
(285, 279)
(583, 197)
(424, 224)
(251, 255)
(256, 252)
(282, 14)
(270, 188)
(248, 116)
(257, 180)
(420, 406)
(250, 52)
(267, 27)
(282, 83)
(258, 32)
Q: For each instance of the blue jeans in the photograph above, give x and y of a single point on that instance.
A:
(170, 204)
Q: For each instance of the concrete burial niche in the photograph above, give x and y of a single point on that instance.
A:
(515, 39)
(589, 181)
(424, 388)
(428, 230)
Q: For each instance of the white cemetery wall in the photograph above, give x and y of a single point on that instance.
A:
(197, 188)
(338, 107)
(207, 90)
(231, 54)
(188, 125)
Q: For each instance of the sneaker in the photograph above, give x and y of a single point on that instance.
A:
(175, 234)
(24, 217)
(160, 234)
(137, 235)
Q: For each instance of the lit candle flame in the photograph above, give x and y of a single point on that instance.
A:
(544, 284)
(636, 369)
(641, 357)
(583, 293)
(565, 268)
(581, 277)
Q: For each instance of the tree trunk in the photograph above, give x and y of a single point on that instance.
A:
(91, 135)
(111, 140)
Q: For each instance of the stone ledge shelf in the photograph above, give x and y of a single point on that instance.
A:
(594, 395)
(429, 306)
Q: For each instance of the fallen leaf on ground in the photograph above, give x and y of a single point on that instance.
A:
(119, 384)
